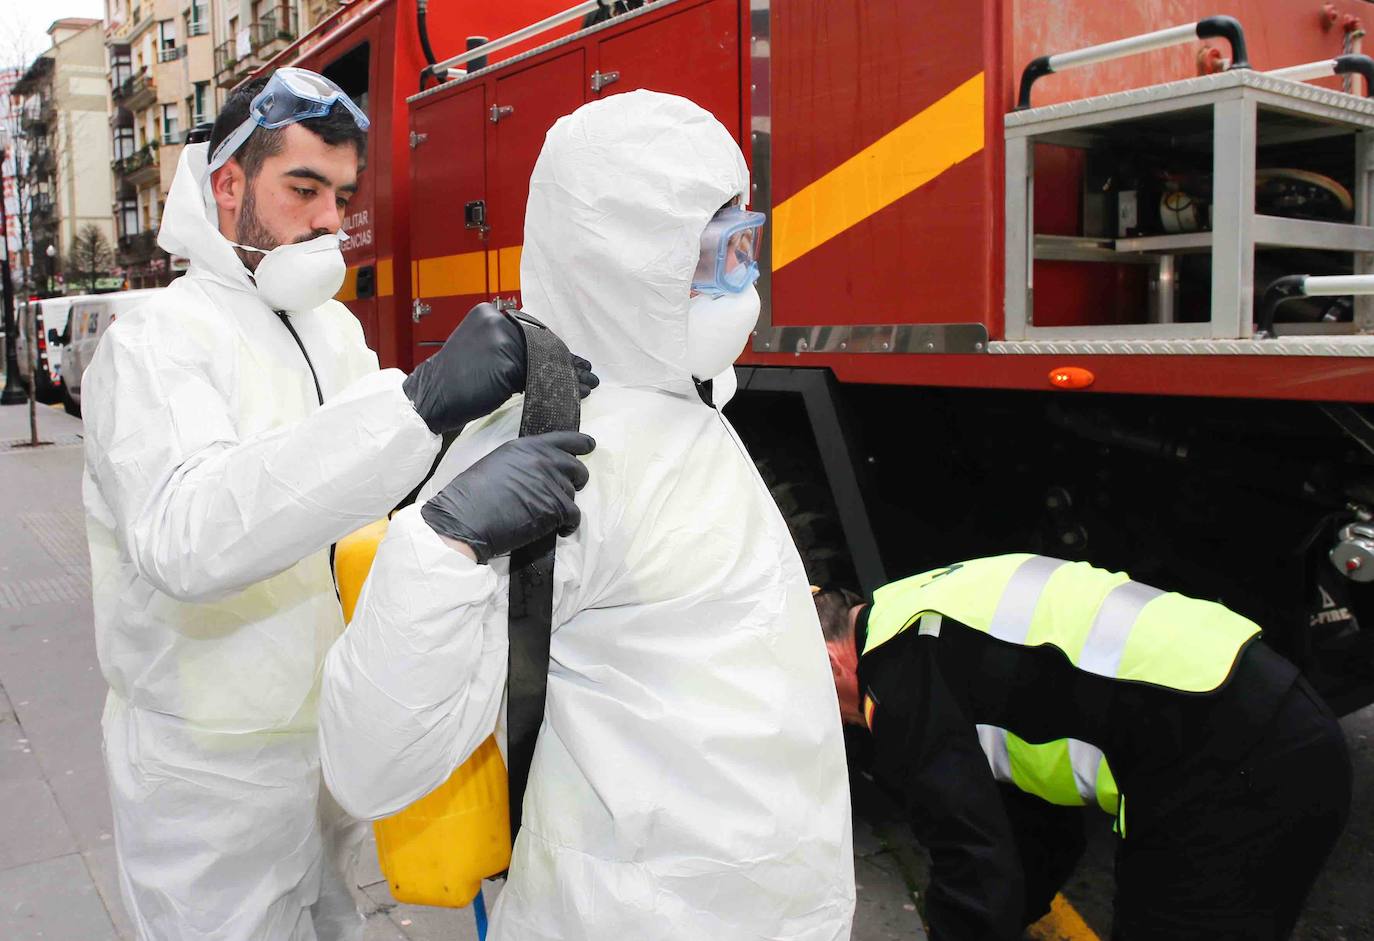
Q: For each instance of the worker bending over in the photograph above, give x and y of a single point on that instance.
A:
(1227, 775)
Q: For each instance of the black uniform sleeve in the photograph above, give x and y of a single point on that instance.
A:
(927, 753)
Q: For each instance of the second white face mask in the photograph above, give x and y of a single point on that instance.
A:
(717, 328)
(300, 276)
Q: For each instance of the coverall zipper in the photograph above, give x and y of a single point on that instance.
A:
(319, 394)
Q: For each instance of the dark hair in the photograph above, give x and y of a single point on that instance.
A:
(832, 607)
(335, 128)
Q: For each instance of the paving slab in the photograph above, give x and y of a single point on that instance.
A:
(104, 869)
(52, 900)
(32, 827)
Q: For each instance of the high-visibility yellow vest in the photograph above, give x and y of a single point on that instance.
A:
(1102, 621)
(438, 850)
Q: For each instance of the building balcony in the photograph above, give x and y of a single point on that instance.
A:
(229, 68)
(36, 121)
(139, 167)
(40, 204)
(269, 35)
(41, 163)
(137, 249)
(170, 53)
(136, 92)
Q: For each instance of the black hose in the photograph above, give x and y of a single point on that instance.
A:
(421, 12)
(1356, 64)
(1278, 291)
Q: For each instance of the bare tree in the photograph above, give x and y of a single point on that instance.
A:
(89, 258)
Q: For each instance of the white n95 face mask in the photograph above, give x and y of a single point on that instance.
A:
(300, 276)
(717, 328)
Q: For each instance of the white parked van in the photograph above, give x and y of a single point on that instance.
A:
(87, 321)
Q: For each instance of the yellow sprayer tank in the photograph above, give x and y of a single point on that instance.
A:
(439, 849)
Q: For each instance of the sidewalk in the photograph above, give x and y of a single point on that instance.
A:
(58, 878)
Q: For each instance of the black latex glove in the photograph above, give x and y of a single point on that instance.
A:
(517, 493)
(480, 365)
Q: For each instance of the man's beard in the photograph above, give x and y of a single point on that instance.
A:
(250, 231)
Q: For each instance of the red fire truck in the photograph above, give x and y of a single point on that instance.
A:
(1068, 277)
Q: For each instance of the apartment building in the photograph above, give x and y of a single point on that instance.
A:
(171, 62)
(161, 70)
(63, 146)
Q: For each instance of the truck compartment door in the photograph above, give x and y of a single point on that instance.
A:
(694, 52)
(527, 104)
(449, 257)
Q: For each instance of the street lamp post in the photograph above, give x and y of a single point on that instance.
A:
(51, 253)
(15, 393)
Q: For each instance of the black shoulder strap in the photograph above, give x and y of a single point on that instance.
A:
(551, 404)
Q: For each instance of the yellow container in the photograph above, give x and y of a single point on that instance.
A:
(439, 849)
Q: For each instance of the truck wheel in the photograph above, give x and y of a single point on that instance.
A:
(69, 405)
(803, 498)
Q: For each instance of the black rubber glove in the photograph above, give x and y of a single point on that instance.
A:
(517, 493)
(480, 365)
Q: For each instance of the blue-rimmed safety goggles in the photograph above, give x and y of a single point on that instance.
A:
(729, 252)
(291, 95)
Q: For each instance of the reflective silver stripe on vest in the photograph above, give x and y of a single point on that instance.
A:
(930, 624)
(994, 742)
(1085, 759)
(1016, 609)
(1112, 626)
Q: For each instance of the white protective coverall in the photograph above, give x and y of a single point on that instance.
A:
(215, 484)
(689, 781)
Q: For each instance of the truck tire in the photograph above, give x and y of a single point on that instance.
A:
(803, 497)
(69, 405)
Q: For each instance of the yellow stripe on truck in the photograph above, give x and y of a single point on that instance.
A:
(510, 268)
(385, 283)
(449, 275)
(900, 162)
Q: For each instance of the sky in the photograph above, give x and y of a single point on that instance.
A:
(24, 25)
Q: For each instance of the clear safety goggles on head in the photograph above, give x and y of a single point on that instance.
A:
(729, 252)
(291, 95)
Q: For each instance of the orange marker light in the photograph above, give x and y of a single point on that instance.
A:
(1071, 377)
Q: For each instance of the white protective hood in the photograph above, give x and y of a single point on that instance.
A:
(689, 781)
(190, 227)
(215, 484)
(609, 254)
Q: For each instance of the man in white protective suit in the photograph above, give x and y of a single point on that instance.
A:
(689, 779)
(237, 425)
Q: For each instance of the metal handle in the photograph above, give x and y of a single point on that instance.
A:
(1301, 285)
(501, 111)
(1213, 27)
(1341, 65)
(418, 309)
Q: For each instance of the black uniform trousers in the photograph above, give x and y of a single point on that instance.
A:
(1227, 853)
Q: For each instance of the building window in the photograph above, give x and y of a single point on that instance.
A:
(123, 142)
(171, 133)
(167, 41)
(200, 103)
(198, 19)
(128, 218)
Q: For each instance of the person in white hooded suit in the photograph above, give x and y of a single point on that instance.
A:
(689, 779)
(236, 426)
